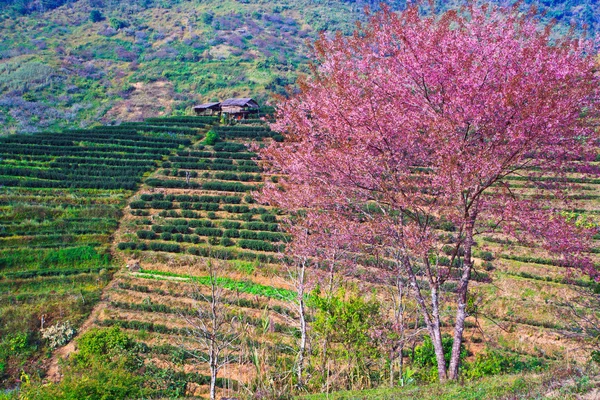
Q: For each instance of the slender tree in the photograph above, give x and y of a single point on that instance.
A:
(212, 329)
(412, 130)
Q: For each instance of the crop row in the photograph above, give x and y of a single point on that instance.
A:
(226, 176)
(184, 119)
(66, 257)
(104, 184)
(172, 130)
(192, 198)
(227, 224)
(246, 213)
(230, 153)
(243, 286)
(210, 185)
(221, 253)
(237, 301)
(190, 311)
(49, 272)
(210, 231)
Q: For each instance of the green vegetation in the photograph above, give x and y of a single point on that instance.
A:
(517, 386)
(108, 365)
(62, 197)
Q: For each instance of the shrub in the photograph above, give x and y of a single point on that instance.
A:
(165, 205)
(126, 246)
(102, 343)
(424, 355)
(268, 218)
(166, 236)
(212, 137)
(494, 362)
(226, 241)
(258, 245)
(146, 234)
(59, 334)
(488, 266)
(231, 224)
(209, 231)
(137, 204)
(96, 16)
(231, 233)
(167, 247)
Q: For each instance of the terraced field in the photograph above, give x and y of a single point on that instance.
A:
(61, 199)
(71, 219)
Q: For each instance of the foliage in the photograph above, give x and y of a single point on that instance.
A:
(102, 344)
(96, 16)
(444, 120)
(349, 324)
(494, 362)
(58, 334)
(424, 357)
(212, 138)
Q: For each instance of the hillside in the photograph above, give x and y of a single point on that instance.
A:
(116, 206)
(68, 225)
(74, 63)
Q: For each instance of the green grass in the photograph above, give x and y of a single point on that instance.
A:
(522, 386)
(231, 284)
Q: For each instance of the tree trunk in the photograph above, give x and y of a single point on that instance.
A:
(436, 335)
(302, 349)
(431, 320)
(461, 310)
(213, 376)
(392, 370)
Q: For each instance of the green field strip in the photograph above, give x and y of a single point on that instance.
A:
(238, 302)
(228, 283)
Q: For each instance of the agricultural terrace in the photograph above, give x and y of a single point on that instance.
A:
(199, 205)
(61, 199)
(195, 203)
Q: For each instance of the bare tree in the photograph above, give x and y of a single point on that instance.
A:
(212, 328)
(299, 281)
(399, 330)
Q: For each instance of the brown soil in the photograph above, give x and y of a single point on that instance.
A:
(146, 100)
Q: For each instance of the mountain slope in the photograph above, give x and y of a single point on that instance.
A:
(74, 63)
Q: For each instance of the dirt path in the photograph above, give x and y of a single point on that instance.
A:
(53, 373)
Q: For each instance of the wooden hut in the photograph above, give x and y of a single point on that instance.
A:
(239, 108)
(208, 109)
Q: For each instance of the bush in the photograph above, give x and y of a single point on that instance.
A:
(258, 245)
(137, 204)
(102, 343)
(146, 234)
(494, 362)
(167, 247)
(166, 236)
(59, 334)
(209, 231)
(96, 16)
(268, 218)
(212, 137)
(126, 246)
(226, 241)
(424, 357)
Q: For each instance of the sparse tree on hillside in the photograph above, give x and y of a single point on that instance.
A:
(212, 328)
(411, 130)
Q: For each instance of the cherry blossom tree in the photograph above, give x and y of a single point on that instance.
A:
(417, 123)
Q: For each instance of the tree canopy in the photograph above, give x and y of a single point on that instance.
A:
(419, 122)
